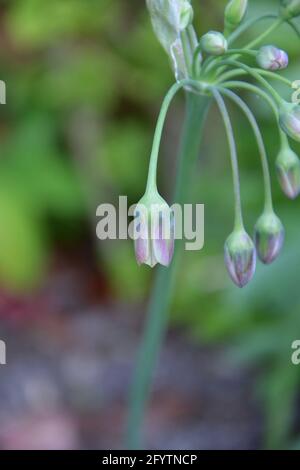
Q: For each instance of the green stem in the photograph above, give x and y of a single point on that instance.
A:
(250, 52)
(294, 27)
(266, 73)
(157, 316)
(257, 76)
(265, 34)
(263, 95)
(152, 173)
(248, 25)
(235, 52)
(238, 223)
(260, 143)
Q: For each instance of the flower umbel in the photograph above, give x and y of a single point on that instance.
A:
(213, 76)
(208, 67)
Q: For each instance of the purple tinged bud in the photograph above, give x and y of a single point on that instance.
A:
(240, 257)
(288, 171)
(289, 120)
(269, 237)
(214, 43)
(289, 9)
(272, 58)
(153, 231)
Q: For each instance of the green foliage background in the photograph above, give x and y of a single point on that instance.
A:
(85, 79)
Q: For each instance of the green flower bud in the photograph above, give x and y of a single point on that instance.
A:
(214, 43)
(289, 9)
(240, 257)
(269, 237)
(289, 120)
(234, 14)
(169, 19)
(288, 170)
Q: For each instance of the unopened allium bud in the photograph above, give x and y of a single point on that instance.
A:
(272, 58)
(289, 119)
(169, 18)
(240, 257)
(269, 237)
(289, 9)
(214, 43)
(234, 14)
(153, 231)
(288, 170)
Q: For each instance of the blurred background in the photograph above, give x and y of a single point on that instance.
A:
(85, 80)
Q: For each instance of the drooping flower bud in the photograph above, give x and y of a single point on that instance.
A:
(214, 43)
(289, 119)
(269, 237)
(289, 9)
(169, 19)
(235, 12)
(153, 231)
(272, 58)
(240, 257)
(288, 170)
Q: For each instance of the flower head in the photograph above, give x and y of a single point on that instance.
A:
(272, 58)
(289, 119)
(154, 231)
(288, 170)
(240, 257)
(269, 237)
(214, 43)
(234, 14)
(289, 8)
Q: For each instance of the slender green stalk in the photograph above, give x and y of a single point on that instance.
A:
(250, 52)
(265, 34)
(235, 52)
(294, 27)
(255, 75)
(238, 223)
(157, 316)
(260, 143)
(248, 25)
(252, 88)
(266, 73)
(152, 173)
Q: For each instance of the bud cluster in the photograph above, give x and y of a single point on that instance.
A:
(200, 66)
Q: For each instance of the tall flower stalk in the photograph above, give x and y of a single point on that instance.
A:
(206, 68)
